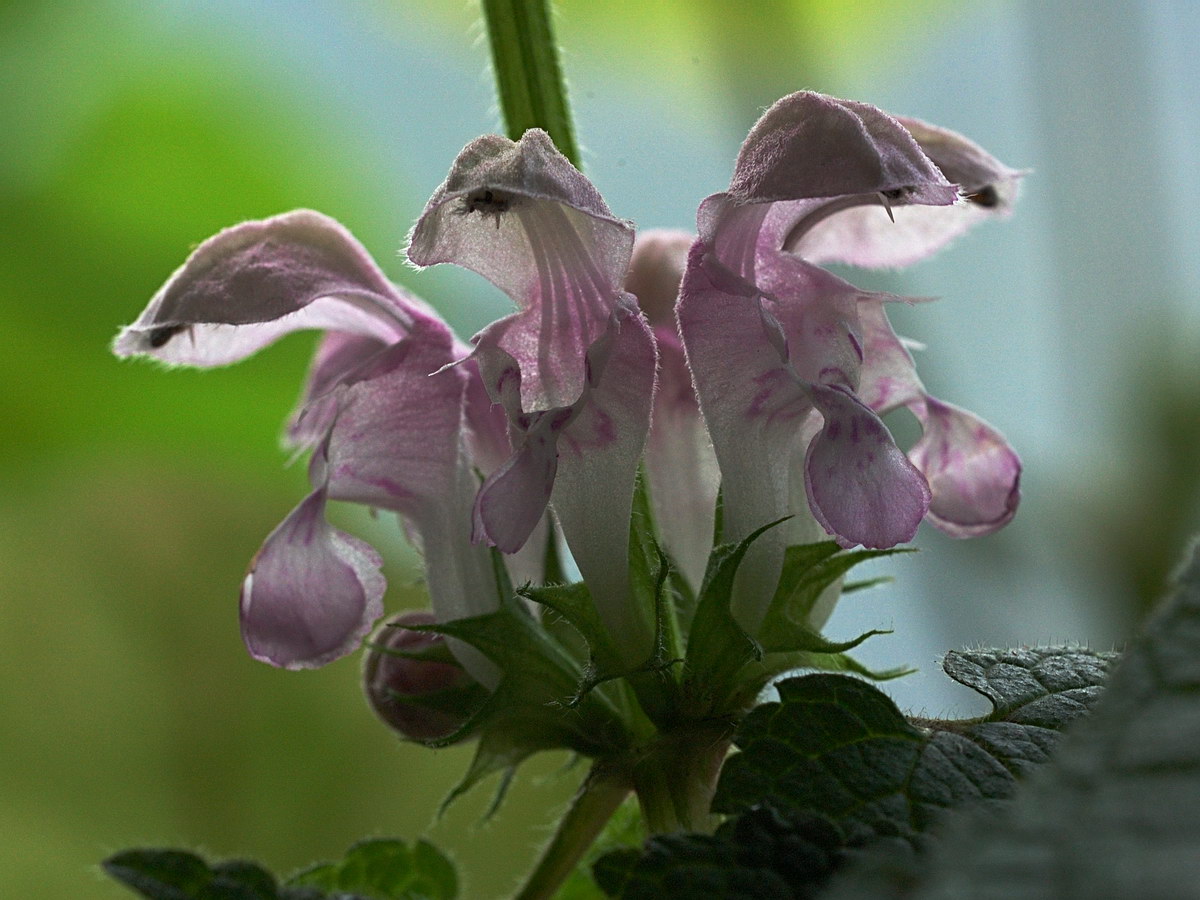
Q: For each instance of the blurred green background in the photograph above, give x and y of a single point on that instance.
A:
(131, 499)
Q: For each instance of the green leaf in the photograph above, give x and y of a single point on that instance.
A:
(759, 855)
(838, 747)
(539, 703)
(841, 662)
(573, 602)
(506, 742)
(180, 875)
(1115, 813)
(685, 867)
(537, 669)
(160, 874)
(853, 587)
(385, 869)
(1045, 686)
(808, 570)
(717, 646)
(833, 767)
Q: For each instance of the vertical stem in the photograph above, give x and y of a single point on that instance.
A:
(599, 797)
(676, 779)
(528, 78)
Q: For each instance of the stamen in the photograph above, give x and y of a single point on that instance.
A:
(986, 196)
(886, 198)
(486, 202)
(158, 337)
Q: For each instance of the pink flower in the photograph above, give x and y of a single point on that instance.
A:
(400, 415)
(792, 365)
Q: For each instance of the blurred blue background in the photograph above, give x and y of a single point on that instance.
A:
(131, 499)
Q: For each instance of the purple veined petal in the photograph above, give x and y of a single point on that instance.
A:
(974, 474)
(490, 184)
(312, 592)
(397, 443)
(861, 487)
(598, 453)
(397, 437)
(520, 215)
(485, 422)
(250, 284)
(732, 231)
(888, 378)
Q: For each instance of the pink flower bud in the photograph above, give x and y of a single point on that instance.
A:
(421, 699)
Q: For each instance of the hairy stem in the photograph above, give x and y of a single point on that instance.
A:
(676, 778)
(528, 78)
(601, 793)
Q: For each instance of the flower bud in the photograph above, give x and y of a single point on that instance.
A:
(423, 699)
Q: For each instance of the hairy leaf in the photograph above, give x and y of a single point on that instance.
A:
(833, 769)
(180, 875)
(1115, 814)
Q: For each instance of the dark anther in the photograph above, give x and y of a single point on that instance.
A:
(486, 202)
(986, 197)
(157, 337)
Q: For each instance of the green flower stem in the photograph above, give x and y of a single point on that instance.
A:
(676, 777)
(528, 78)
(598, 799)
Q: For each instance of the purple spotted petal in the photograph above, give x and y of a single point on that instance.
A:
(862, 488)
(520, 215)
(755, 409)
(598, 454)
(888, 378)
(974, 474)
(818, 315)
(250, 284)
(312, 592)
